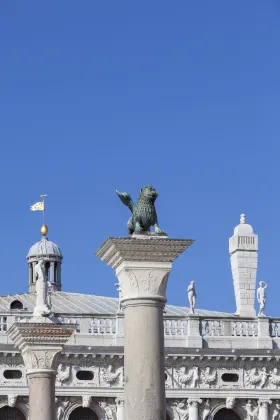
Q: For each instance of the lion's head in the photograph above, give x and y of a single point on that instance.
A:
(149, 192)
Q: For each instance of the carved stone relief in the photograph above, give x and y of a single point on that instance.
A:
(110, 376)
(222, 373)
(106, 371)
(63, 374)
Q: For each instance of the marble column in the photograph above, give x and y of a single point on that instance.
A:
(41, 342)
(120, 408)
(142, 264)
(52, 272)
(193, 404)
(263, 409)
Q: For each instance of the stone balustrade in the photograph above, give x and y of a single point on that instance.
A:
(176, 329)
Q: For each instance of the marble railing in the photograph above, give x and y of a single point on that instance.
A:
(209, 328)
(175, 327)
(275, 328)
(229, 327)
(102, 326)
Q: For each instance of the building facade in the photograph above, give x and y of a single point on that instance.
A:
(218, 365)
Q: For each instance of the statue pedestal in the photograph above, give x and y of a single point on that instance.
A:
(40, 342)
(142, 265)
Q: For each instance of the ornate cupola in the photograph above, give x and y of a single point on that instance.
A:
(51, 253)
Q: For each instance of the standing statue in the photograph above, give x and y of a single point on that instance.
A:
(49, 295)
(206, 411)
(144, 214)
(192, 296)
(41, 308)
(261, 296)
(119, 290)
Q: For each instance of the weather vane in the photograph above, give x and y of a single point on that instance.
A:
(40, 206)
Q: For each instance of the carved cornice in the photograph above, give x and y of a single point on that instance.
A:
(116, 250)
(37, 333)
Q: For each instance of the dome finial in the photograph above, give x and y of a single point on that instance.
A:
(242, 219)
(44, 229)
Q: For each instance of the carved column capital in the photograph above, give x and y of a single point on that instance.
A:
(194, 402)
(142, 264)
(35, 359)
(40, 342)
(119, 401)
(264, 403)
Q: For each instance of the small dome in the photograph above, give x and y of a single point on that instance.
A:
(44, 247)
(243, 228)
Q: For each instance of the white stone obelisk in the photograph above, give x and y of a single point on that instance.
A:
(142, 264)
(243, 248)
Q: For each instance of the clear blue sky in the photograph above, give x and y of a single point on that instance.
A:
(99, 95)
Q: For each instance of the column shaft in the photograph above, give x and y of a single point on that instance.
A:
(52, 276)
(42, 395)
(144, 387)
(263, 409)
(30, 273)
(193, 408)
(120, 408)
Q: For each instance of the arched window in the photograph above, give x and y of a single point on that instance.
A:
(81, 413)
(226, 414)
(9, 413)
(16, 304)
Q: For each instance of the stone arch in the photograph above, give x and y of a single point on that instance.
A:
(237, 409)
(99, 413)
(19, 405)
(11, 413)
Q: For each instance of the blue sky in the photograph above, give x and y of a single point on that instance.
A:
(105, 95)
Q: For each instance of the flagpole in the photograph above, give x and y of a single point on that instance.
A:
(43, 197)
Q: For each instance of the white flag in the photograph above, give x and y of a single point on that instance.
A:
(38, 206)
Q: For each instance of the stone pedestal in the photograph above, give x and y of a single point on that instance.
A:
(142, 264)
(194, 338)
(264, 338)
(263, 409)
(40, 342)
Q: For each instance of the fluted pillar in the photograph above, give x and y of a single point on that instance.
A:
(120, 408)
(193, 404)
(264, 409)
(41, 343)
(142, 264)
